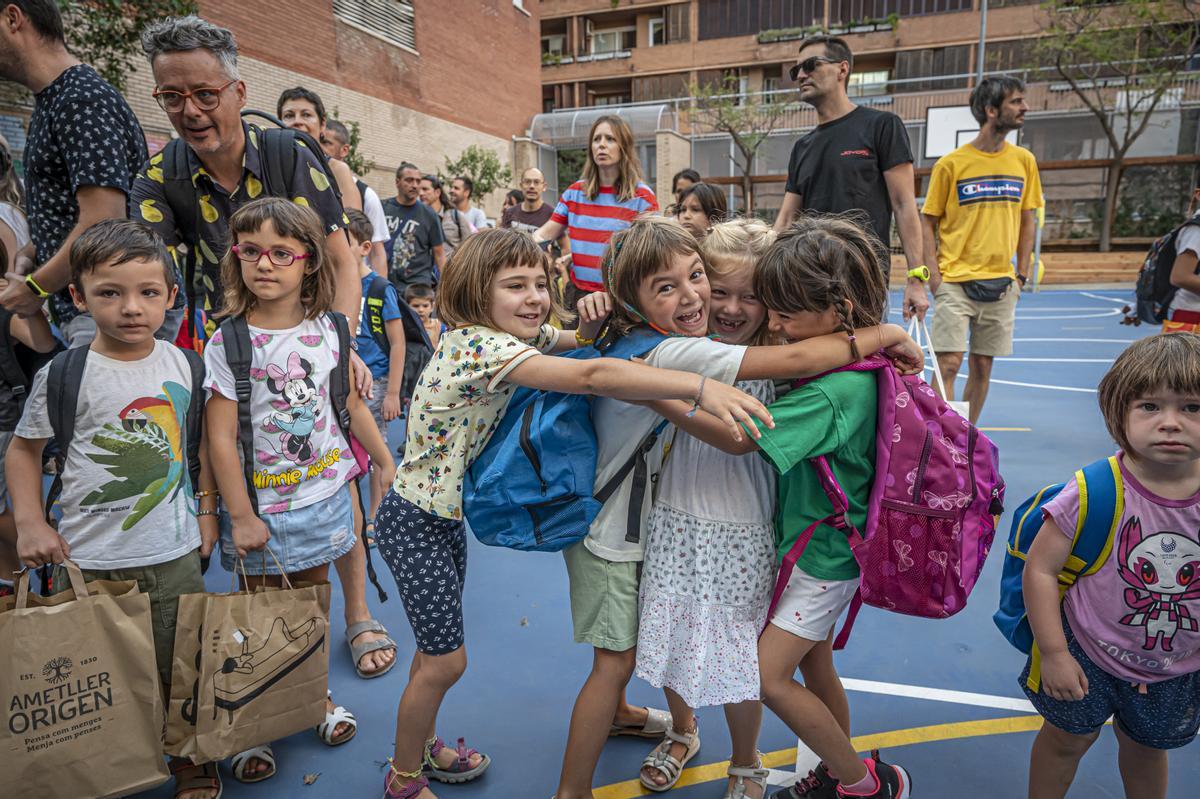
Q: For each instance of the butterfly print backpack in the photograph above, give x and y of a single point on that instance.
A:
(933, 507)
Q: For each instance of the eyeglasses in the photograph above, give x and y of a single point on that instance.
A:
(206, 98)
(808, 65)
(252, 254)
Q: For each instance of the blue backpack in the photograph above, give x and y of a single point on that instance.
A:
(532, 487)
(1101, 505)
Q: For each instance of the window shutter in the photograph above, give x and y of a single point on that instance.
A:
(678, 29)
(390, 20)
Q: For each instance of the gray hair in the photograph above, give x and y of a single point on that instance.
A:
(181, 34)
(990, 93)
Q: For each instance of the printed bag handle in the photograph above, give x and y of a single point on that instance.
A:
(78, 584)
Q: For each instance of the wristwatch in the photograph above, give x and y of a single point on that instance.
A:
(921, 273)
(35, 288)
(1022, 279)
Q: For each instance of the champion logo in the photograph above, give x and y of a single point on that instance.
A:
(994, 188)
(856, 153)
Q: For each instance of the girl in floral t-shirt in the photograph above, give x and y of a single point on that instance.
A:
(494, 297)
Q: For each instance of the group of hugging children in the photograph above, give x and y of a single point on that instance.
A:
(676, 590)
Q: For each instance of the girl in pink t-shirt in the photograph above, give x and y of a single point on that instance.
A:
(1126, 642)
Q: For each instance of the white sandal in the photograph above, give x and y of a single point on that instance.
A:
(660, 758)
(758, 775)
(242, 759)
(656, 726)
(326, 730)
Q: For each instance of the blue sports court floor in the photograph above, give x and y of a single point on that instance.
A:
(938, 696)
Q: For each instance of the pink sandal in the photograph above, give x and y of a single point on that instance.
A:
(460, 770)
(409, 791)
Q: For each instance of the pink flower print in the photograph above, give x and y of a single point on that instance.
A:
(258, 374)
(902, 399)
(260, 340)
(895, 434)
(311, 340)
(904, 561)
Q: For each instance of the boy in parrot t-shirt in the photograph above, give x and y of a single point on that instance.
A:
(128, 506)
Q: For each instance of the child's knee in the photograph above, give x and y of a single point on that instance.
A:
(443, 671)
(615, 666)
(1066, 744)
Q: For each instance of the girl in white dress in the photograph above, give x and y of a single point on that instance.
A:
(710, 553)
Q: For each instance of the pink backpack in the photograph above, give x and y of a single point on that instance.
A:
(933, 508)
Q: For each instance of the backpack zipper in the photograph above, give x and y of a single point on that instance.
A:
(527, 445)
(919, 481)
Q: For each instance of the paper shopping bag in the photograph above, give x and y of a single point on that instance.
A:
(185, 676)
(79, 691)
(264, 667)
(920, 333)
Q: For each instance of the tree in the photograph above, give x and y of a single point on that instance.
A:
(105, 33)
(354, 159)
(747, 119)
(483, 167)
(1120, 60)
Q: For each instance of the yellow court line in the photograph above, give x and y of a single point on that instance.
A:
(1006, 429)
(862, 743)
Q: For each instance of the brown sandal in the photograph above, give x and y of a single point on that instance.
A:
(192, 777)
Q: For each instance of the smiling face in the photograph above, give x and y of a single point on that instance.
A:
(128, 299)
(267, 281)
(606, 150)
(735, 312)
(520, 300)
(1164, 428)
(206, 132)
(691, 215)
(675, 299)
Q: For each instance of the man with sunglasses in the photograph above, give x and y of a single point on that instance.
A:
(856, 160)
(83, 150)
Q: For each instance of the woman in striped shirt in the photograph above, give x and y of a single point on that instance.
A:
(609, 196)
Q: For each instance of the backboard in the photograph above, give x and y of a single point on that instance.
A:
(949, 127)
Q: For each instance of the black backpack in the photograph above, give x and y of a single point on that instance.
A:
(418, 349)
(1154, 289)
(277, 149)
(18, 363)
(62, 396)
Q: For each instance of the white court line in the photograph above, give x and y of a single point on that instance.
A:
(1055, 360)
(1034, 385)
(938, 695)
(1106, 299)
(1098, 315)
(1085, 340)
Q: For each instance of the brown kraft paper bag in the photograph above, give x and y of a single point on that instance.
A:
(185, 676)
(264, 667)
(81, 701)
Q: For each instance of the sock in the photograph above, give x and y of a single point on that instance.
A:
(864, 787)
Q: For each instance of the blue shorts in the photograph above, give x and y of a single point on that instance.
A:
(1167, 716)
(300, 539)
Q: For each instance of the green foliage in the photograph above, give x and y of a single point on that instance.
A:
(354, 159)
(1153, 200)
(484, 169)
(104, 33)
(570, 167)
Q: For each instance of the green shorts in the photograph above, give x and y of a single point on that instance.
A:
(604, 599)
(165, 583)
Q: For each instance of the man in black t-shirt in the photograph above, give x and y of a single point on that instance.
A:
(415, 249)
(856, 160)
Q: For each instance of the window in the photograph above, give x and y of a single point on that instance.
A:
(658, 31)
(390, 20)
(611, 99)
(554, 45)
(868, 84)
(613, 40)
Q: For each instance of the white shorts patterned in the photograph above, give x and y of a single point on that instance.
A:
(810, 607)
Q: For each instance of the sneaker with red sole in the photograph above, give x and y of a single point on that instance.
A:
(892, 782)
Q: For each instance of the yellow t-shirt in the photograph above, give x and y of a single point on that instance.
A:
(979, 198)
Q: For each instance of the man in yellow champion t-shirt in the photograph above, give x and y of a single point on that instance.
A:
(979, 212)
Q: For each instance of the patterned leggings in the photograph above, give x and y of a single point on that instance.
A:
(428, 558)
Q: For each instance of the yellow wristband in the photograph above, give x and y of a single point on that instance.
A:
(920, 273)
(35, 288)
(583, 342)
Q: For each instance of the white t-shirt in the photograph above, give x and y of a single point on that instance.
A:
(373, 208)
(12, 216)
(621, 427)
(476, 218)
(127, 496)
(1188, 240)
(300, 456)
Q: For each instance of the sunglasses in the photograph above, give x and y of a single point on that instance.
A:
(808, 66)
(206, 98)
(252, 254)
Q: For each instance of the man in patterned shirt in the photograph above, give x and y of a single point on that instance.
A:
(83, 149)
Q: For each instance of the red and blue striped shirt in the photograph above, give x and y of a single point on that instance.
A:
(592, 222)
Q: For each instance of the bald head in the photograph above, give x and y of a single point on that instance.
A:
(533, 183)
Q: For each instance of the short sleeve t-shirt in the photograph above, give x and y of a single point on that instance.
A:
(621, 427)
(592, 221)
(373, 208)
(458, 403)
(838, 167)
(300, 455)
(369, 350)
(833, 416)
(81, 133)
(528, 221)
(1138, 617)
(127, 495)
(414, 230)
(979, 198)
(1188, 240)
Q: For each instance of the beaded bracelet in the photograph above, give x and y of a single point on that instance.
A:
(699, 397)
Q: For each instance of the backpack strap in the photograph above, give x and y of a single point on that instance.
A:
(62, 396)
(339, 378)
(10, 368)
(278, 157)
(195, 416)
(185, 208)
(635, 463)
(376, 296)
(236, 336)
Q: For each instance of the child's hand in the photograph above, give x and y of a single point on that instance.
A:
(1063, 678)
(733, 407)
(40, 545)
(393, 406)
(907, 355)
(210, 531)
(561, 264)
(593, 310)
(250, 534)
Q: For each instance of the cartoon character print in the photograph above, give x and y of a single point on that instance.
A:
(301, 407)
(1162, 569)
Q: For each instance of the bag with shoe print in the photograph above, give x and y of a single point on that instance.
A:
(79, 679)
(185, 672)
(264, 667)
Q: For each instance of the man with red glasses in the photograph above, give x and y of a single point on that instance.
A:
(83, 150)
(857, 159)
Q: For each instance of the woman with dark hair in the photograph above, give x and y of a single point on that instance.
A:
(607, 198)
(514, 197)
(455, 227)
(683, 179)
(701, 206)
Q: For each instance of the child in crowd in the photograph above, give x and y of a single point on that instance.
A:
(1122, 642)
(494, 297)
(710, 548)
(421, 299)
(135, 393)
(280, 285)
(701, 206)
(654, 275)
